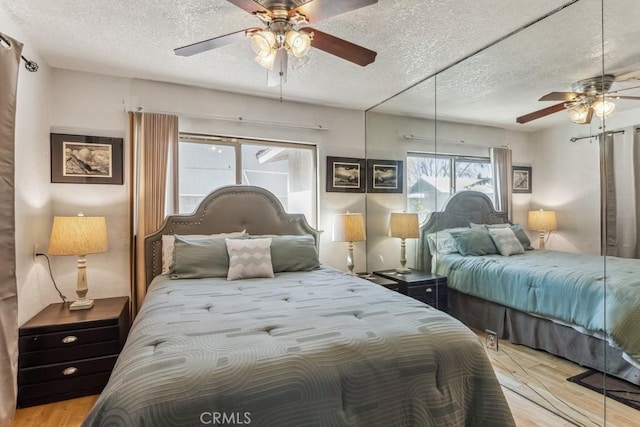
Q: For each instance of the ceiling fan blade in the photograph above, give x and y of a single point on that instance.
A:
(317, 10)
(540, 113)
(623, 89)
(632, 75)
(637, 98)
(250, 6)
(341, 48)
(213, 43)
(560, 96)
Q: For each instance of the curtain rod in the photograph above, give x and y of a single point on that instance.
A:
(240, 119)
(577, 138)
(412, 137)
(29, 65)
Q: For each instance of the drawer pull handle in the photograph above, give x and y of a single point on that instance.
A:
(429, 290)
(70, 339)
(70, 371)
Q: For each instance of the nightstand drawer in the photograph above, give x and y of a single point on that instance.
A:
(66, 370)
(426, 290)
(56, 355)
(54, 388)
(69, 338)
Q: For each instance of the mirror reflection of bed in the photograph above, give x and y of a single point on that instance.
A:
(555, 301)
(272, 335)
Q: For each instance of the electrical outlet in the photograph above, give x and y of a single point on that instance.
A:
(491, 340)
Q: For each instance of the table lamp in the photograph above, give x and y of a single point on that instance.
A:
(349, 227)
(405, 226)
(79, 235)
(544, 222)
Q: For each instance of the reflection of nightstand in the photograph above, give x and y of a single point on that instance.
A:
(66, 354)
(378, 280)
(426, 287)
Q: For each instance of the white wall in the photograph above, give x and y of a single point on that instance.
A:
(566, 179)
(91, 104)
(385, 140)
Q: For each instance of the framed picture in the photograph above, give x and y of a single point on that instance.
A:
(384, 176)
(521, 179)
(82, 159)
(345, 175)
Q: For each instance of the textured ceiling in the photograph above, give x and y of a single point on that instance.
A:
(414, 39)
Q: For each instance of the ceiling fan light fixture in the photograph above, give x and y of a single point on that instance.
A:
(264, 45)
(603, 108)
(580, 113)
(298, 42)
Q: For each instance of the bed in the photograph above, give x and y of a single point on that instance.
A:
(549, 300)
(311, 347)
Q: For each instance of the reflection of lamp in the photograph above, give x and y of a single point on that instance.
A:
(349, 227)
(405, 226)
(544, 222)
(79, 235)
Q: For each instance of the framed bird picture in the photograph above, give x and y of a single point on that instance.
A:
(79, 159)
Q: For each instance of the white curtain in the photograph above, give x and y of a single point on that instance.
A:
(9, 63)
(622, 200)
(502, 179)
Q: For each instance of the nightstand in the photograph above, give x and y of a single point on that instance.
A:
(426, 287)
(66, 354)
(378, 280)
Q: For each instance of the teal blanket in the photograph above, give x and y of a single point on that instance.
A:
(566, 287)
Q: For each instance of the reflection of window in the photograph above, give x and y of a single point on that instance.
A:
(287, 170)
(432, 178)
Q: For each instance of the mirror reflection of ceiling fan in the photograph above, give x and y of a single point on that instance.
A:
(590, 96)
(285, 34)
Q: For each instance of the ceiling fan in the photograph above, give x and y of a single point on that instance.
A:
(286, 35)
(590, 96)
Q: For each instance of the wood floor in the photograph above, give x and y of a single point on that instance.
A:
(533, 382)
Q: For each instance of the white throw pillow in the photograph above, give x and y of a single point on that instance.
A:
(249, 258)
(506, 241)
(168, 246)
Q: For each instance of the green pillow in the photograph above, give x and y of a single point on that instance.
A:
(474, 242)
(517, 230)
(198, 258)
(522, 237)
(293, 253)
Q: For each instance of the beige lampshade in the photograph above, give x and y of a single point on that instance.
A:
(542, 220)
(404, 225)
(78, 235)
(349, 227)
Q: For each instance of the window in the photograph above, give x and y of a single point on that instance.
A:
(432, 178)
(288, 170)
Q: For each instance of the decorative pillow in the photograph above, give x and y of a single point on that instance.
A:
(442, 242)
(506, 241)
(474, 242)
(292, 252)
(249, 258)
(517, 229)
(167, 246)
(199, 257)
(522, 237)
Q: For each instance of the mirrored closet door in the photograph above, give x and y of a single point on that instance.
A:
(479, 152)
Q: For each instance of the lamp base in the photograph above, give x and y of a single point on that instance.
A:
(81, 304)
(403, 270)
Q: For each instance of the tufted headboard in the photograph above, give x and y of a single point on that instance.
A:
(460, 209)
(228, 209)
